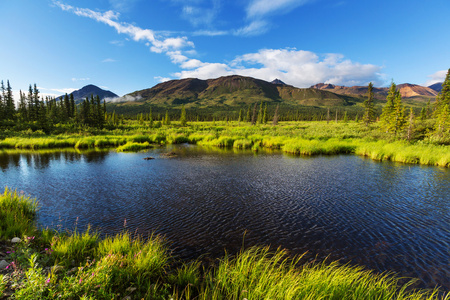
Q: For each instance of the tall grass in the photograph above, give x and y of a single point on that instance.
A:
(303, 138)
(16, 214)
(74, 265)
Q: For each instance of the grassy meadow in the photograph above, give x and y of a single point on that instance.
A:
(301, 138)
(79, 265)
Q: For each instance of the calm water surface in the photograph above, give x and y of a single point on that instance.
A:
(385, 216)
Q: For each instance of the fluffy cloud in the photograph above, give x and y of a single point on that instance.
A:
(80, 79)
(439, 76)
(296, 67)
(157, 44)
(261, 8)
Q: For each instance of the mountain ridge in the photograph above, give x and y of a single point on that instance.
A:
(233, 90)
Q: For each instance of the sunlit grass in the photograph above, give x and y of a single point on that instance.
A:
(302, 138)
(16, 214)
(81, 265)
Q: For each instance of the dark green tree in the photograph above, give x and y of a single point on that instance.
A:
(386, 122)
(369, 106)
(183, 120)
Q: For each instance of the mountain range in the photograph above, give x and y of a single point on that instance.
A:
(406, 90)
(235, 90)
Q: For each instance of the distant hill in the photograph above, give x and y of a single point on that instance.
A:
(437, 86)
(88, 90)
(406, 90)
(230, 91)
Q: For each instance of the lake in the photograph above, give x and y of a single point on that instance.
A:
(385, 216)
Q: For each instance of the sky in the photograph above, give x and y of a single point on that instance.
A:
(129, 45)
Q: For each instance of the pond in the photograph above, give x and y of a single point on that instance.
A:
(385, 216)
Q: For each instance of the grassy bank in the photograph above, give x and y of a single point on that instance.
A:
(303, 138)
(72, 265)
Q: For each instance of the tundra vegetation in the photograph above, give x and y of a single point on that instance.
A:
(47, 264)
(67, 265)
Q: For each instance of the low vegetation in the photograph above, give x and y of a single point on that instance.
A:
(71, 265)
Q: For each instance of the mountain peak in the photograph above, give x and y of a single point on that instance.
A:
(90, 89)
(277, 81)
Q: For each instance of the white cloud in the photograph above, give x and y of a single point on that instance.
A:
(296, 67)
(60, 91)
(439, 76)
(210, 32)
(261, 8)
(256, 27)
(117, 43)
(122, 5)
(162, 79)
(125, 98)
(200, 12)
(80, 79)
(157, 44)
(108, 60)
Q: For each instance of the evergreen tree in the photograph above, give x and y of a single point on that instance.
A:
(240, 116)
(248, 113)
(398, 116)
(150, 117)
(443, 121)
(30, 104)
(275, 117)
(183, 120)
(72, 106)
(260, 115)
(36, 102)
(22, 107)
(2, 103)
(345, 117)
(442, 103)
(411, 125)
(386, 123)
(166, 119)
(369, 106)
(264, 119)
(254, 114)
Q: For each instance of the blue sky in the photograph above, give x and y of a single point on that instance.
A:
(130, 45)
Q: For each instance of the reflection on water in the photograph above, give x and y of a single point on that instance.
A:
(386, 216)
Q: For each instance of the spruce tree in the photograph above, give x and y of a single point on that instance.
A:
(260, 115)
(275, 117)
(410, 125)
(265, 114)
(398, 115)
(240, 116)
(254, 114)
(369, 107)
(386, 122)
(183, 120)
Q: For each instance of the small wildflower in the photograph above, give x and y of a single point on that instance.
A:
(47, 281)
(79, 281)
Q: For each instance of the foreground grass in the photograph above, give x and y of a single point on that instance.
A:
(302, 138)
(50, 265)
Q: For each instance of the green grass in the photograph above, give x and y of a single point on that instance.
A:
(74, 265)
(301, 138)
(17, 213)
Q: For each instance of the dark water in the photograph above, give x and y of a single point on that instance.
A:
(385, 216)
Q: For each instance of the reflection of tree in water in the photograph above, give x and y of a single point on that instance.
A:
(95, 156)
(71, 156)
(8, 161)
(42, 159)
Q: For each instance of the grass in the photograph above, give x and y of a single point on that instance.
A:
(301, 138)
(16, 214)
(73, 265)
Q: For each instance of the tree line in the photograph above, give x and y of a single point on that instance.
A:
(45, 113)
